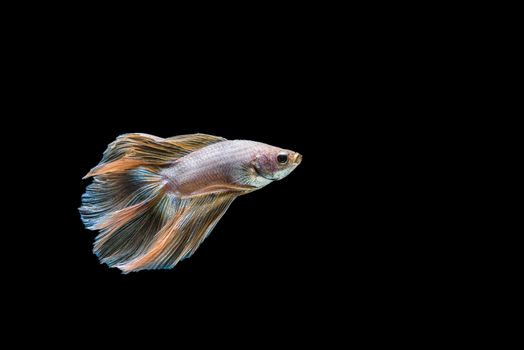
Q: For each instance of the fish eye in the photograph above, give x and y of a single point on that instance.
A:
(282, 158)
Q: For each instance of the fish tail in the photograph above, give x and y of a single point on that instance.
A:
(128, 208)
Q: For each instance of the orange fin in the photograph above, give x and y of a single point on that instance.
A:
(129, 151)
(182, 235)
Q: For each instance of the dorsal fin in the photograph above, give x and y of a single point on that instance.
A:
(194, 141)
(133, 150)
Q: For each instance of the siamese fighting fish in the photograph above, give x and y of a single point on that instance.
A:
(154, 200)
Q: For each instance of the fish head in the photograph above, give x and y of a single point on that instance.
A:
(273, 163)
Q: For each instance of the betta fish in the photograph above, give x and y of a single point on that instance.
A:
(155, 200)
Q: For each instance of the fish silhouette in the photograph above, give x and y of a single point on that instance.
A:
(155, 200)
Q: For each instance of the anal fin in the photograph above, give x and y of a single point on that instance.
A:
(182, 235)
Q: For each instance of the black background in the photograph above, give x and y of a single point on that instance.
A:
(348, 234)
(334, 234)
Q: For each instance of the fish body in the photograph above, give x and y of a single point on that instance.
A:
(222, 165)
(155, 200)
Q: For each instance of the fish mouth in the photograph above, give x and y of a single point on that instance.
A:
(298, 158)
